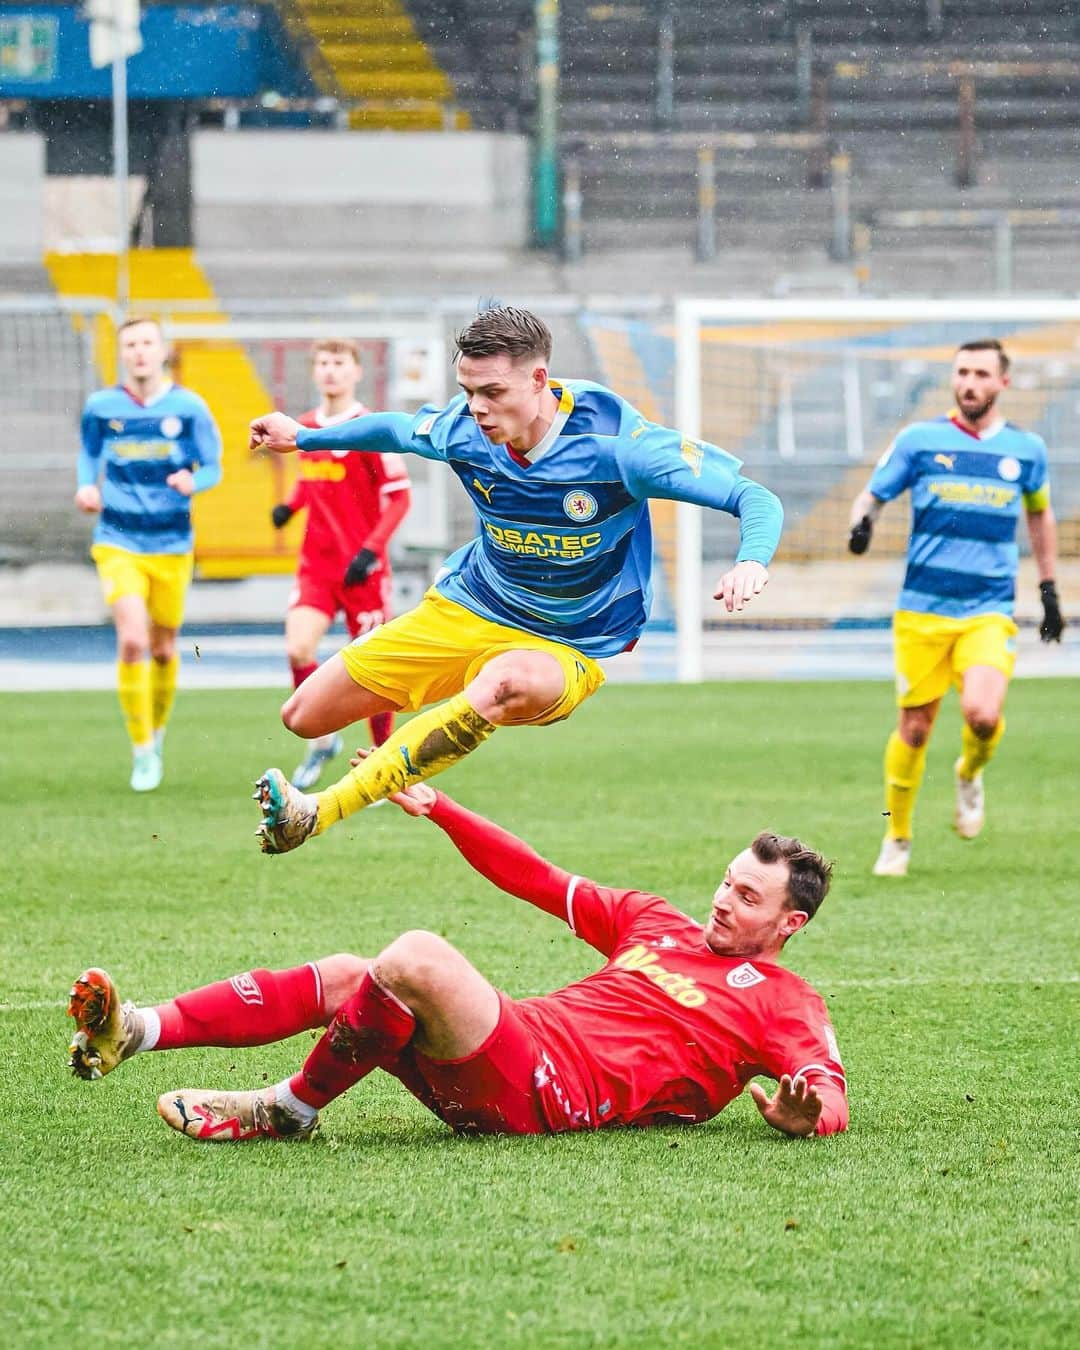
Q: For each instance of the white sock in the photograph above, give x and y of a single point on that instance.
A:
(290, 1102)
(151, 1030)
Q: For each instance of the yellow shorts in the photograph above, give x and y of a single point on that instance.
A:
(161, 579)
(434, 650)
(933, 652)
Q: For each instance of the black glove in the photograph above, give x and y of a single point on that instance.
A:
(361, 567)
(1053, 625)
(281, 515)
(859, 538)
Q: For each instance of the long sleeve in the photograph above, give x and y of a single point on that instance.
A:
(381, 433)
(507, 861)
(395, 508)
(208, 450)
(761, 518)
(90, 449)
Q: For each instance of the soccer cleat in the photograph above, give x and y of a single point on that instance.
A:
(230, 1117)
(320, 753)
(970, 803)
(289, 815)
(146, 770)
(894, 857)
(106, 1030)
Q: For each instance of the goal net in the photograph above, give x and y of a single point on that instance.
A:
(809, 394)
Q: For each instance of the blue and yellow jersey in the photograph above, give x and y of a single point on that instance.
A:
(131, 448)
(564, 542)
(966, 495)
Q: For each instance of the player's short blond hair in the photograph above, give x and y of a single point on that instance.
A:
(133, 320)
(337, 346)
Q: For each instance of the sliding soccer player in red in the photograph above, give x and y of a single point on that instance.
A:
(354, 504)
(678, 1021)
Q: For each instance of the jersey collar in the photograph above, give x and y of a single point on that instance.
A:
(166, 388)
(527, 458)
(990, 432)
(354, 410)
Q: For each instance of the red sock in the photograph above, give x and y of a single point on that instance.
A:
(369, 1029)
(382, 724)
(300, 673)
(254, 1008)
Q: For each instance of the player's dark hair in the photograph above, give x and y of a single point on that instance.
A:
(505, 330)
(987, 345)
(809, 873)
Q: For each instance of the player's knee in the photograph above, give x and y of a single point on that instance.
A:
(132, 649)
(517, 686)
(340, 976)
(295, 716)
(163, 652)
(982, 721)
(414, 965)
(299, 654)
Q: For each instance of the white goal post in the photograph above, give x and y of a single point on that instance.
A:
(809, 392)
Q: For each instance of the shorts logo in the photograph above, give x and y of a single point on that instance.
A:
(171, 427)
(744, 976)
(1009, 469)
(247, 988)
(580, 505)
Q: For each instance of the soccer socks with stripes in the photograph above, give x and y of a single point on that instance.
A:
(368, 1031)
(253, 1008)
(380, 726)
(904, 765)
(133, 690)
(418, 750)
(163, 678)
(976, 753)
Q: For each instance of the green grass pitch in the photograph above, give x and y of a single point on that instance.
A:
(945, 1217)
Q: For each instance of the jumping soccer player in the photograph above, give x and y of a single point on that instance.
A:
(151, 445)
(559, 472)
(968, 474)
(354, 504)
(671, 1029)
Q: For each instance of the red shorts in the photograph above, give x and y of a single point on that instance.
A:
(365, 606)
(491, 1091)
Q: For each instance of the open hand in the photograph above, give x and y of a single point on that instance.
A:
(274, 431)
(418, 800)
(795, 1109)
(738, 586)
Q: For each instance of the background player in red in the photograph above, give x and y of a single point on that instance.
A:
(677, 1022)
(354, 504)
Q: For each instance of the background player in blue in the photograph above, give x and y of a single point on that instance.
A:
(968, 474)
(147, 447)
(560, 472)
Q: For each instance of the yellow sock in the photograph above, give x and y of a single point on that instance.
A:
(133, 688)
(975, 754)
(418, 750)
(904, 767)
(163, 677)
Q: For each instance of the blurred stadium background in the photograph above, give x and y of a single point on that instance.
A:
(375, 167)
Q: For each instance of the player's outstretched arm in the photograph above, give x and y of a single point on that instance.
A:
(794, 1109)
(504, 859)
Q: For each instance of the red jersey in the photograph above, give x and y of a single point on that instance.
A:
(353, 500)
(667, 1030)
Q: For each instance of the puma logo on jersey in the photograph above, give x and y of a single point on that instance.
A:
(485, 492)
(946, 461)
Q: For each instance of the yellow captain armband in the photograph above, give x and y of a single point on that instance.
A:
(1038, 500)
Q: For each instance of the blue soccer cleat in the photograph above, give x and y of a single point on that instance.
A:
(320, 753)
